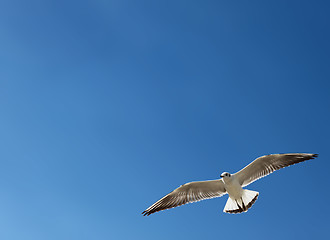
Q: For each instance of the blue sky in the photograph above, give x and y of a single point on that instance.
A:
(106, 106)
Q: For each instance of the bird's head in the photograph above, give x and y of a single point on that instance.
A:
(225, 175)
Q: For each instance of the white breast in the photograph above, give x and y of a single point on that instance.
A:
(233, 187)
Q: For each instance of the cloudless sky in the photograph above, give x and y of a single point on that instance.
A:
(106, 106)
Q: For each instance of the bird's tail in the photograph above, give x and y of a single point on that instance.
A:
(243, 204)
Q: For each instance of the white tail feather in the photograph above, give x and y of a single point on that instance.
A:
(243, 204)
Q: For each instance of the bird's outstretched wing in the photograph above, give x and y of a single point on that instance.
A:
(267, 164)
(188, 193)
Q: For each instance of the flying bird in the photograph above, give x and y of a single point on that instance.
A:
(240, 200)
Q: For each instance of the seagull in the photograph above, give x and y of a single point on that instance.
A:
(240, 200)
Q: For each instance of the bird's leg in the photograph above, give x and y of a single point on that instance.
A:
(244, 207)
(240, 208)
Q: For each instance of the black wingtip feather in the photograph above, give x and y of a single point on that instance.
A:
(145, 213)
(315, 155)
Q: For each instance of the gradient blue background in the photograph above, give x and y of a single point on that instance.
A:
(106, 106)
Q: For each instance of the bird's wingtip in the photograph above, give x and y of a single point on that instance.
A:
(145, 213)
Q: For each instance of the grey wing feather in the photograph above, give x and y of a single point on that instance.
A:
(188, 193)
(267, 164)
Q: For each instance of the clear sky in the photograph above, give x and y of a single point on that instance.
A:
(106, 106)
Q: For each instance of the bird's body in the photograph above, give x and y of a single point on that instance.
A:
(233, 188)
(240, 200)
